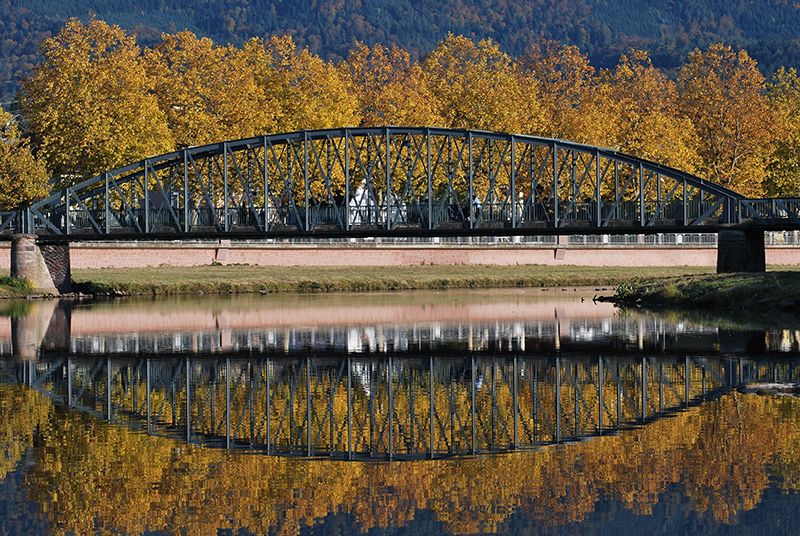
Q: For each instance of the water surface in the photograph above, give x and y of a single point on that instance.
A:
(492, 412)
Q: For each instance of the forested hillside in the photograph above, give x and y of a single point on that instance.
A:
(603, 29)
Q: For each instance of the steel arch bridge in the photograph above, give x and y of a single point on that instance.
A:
(392, 181)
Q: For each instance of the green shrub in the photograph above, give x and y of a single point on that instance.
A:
(16, 284)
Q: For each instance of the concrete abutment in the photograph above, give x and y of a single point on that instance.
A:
(740, 251)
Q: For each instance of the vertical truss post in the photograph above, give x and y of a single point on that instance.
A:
(574, 181)
(471, 185)
(305, 180)
(149, 400)
(685, 203)
(146, 194)
(658, 197)
(108, 388)
(225, 184)
(228, 403)
(577, 396)
(431, 404)
(371, 412)
(641, 195)
(252, 408)
(188, 401)
(644, 388)
(388, 217)
(535, 402)
(269, 401)
(349, 410)
(186, 194)
(619, 398)
(616, 186)
(513, 185)
(703, 371)
(516, 403)
(558, 400)
(391, 411)
(472, 408)
(214, 400)
(266, 187)
(108, 209)
(308, 406)
(555, 184)
(597, 190)
(347, 223)
(600, 395)
(69, 381)
(430, 178)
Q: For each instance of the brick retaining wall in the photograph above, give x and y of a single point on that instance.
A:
(143, 254)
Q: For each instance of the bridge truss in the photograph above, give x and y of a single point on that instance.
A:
(392, 181)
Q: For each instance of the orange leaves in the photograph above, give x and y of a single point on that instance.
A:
(89, 105)
(23, 178)
(724, 95)
(391, 90)
(97, 102)
(205, 91)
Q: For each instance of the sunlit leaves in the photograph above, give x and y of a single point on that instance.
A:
(723, 94)
(206, 92)
(301, 90)
(23, 178)
(390, 88)
(562, 80)
(89, 104)
(474, 86)
(640, 107)
(783, 171)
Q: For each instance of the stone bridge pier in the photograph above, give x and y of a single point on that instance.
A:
(46, 266)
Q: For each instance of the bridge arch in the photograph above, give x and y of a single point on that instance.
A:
(388, 181)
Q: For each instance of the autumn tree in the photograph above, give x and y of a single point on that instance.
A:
(301, 90)
(724, 95)
(784, 166)
(564, 79)
(475, 86)
(640, 108)
(23, 178)
(88, 104)
(390, 88)
(208, 93)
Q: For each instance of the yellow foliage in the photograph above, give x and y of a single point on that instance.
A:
(23, 178)
(89, 104)
(724, 95)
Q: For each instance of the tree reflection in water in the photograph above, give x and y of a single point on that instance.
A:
(662, 438)
(711, 462)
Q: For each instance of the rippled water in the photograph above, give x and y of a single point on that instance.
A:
(497, 412)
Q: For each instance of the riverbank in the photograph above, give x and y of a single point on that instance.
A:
(217, 278)
(759, 294)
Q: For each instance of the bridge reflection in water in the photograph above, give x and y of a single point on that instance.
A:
(390, 408)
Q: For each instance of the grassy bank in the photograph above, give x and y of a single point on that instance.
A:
(768, 293)
(235, 279)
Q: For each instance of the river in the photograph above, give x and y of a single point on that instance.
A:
(524, 411)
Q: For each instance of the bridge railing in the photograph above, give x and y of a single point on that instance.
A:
(768, 211)
(422, 216)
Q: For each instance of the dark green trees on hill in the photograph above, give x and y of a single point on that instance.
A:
(669, 30)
